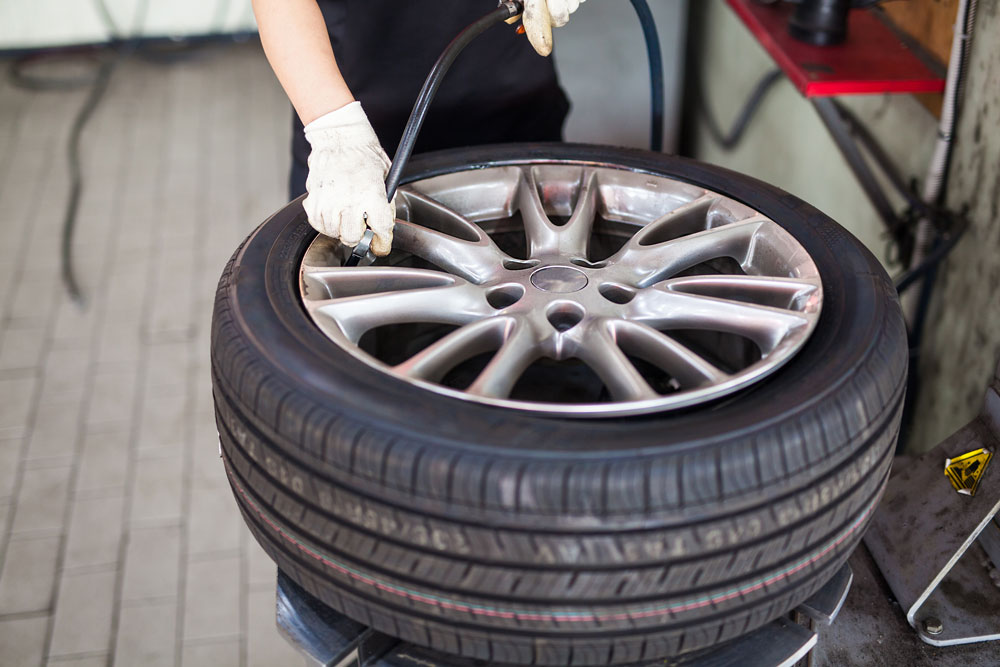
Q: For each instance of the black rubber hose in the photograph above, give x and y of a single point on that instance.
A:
(729, 140)
(76, 178)
(502, 13)
(656, 90)
(431, 85)
(885, 164)
(944, 246)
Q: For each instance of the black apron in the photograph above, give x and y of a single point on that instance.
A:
(499, 89)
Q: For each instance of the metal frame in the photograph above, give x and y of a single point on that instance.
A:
(936, 547)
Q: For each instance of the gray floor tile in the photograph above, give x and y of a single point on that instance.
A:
(207, 470)
(22, 641)
(65, 372)
(215, 654)
(55, 430)
(41, 501)
(111, 397)
(95, 530)
(119, 341)
(15, 406)
(103, 461)
(74, 380)
(28, 575)
(21, 348)
(158, 484)
(265, 647)
(167, 371)
(261, 570)
(74, 326)
(95, 660)
(152, 563)
(212, 598)
(163, 419)
(4, 514)
(214, 522)
(10, 454)
(146, 635)
(83, 614)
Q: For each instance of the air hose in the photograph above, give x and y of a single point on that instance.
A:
(508, 9)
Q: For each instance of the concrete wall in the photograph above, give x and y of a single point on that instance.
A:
(40, 23)
(963, 336)
(787, 145)
(601, 58)
(600, 54)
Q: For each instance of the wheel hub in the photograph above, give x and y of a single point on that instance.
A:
(559, 279)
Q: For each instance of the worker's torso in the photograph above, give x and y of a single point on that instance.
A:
(385, 49)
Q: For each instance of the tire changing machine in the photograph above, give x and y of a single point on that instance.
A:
(924, 588)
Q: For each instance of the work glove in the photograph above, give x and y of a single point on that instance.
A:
(540, 16)
(346, 182)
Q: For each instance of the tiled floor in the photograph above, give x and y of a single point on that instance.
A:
(120, 541)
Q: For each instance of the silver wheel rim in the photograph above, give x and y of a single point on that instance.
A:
(704, 296)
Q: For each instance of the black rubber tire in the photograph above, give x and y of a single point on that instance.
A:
(513, 538)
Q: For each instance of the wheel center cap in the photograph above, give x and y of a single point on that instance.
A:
(559, 279)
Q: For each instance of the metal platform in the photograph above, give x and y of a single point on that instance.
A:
(874, 59)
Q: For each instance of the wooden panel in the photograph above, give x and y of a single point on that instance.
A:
(930, 22)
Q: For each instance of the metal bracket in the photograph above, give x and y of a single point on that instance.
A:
(937, 548)
(361, 254)
(327, 638)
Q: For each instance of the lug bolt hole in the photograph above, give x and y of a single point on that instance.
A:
(564, 315)
(616, 293)
(503, 296)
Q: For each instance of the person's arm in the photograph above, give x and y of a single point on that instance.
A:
(297, 45)
(347, 166)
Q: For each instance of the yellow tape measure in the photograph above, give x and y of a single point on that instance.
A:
(965, 471)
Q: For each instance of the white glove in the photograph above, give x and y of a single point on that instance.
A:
(540, 16)
(347, 169)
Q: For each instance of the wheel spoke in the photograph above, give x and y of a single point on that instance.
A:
(544, 238)
(337, 282)
(428, 212)
(574, 236)
(766, 326)
(642, 266)
(476, 261)
(598, 349)
(689, 369)
(518, 351)
(433, 362)
(689, 218)
(778, 292)
(459, 304)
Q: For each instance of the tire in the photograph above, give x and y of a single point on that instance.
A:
(515, 538)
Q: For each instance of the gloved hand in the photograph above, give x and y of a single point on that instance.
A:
(347, 169)
(540, 16)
